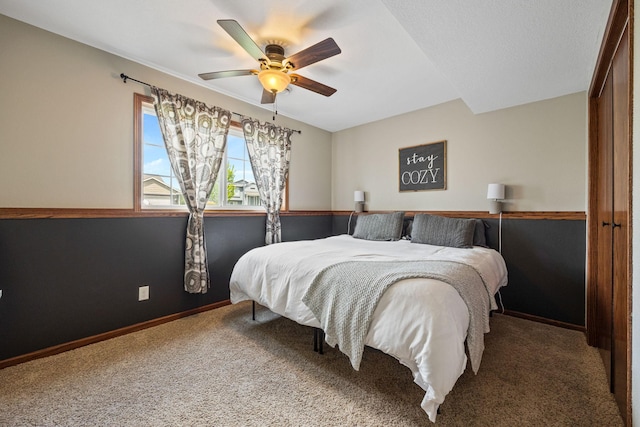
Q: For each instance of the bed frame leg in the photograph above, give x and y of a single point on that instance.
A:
(318, 340)
(253, 310)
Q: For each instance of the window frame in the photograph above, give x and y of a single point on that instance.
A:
(138, 170)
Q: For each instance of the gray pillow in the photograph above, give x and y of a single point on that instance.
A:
(443, 231)
(379, 226)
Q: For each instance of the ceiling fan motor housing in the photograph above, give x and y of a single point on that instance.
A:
(275, 53)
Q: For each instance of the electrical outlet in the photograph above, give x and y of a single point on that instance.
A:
(143, 293)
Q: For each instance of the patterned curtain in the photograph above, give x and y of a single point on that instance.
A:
(269, 148)
(195, 136)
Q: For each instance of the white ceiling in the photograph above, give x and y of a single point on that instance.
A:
(397, 55)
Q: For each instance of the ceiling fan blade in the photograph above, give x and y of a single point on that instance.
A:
(238, 33)
(229, 73)
(312, 85)
(319, 51)
(267, 97)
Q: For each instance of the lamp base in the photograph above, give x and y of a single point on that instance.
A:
(495, 207)
(359, 208)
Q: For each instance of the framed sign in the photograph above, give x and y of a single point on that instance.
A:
(423, 167)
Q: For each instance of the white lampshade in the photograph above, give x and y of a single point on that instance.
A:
(495, 192)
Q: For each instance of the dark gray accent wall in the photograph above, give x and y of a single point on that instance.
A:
(340, 224)
(68, 279)
(546, 262)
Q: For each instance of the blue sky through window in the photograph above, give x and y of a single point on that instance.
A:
(156, 161)
(238, 158)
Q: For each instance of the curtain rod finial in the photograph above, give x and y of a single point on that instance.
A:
(124, 77)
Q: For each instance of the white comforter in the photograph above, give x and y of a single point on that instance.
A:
(421, 322)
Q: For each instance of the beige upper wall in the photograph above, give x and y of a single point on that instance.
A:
(538, 150)
(66, 126)
(66, 140)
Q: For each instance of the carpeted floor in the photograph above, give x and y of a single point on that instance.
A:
(220, 368)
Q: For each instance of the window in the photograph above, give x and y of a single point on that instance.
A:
(159, 188)
(240, 183)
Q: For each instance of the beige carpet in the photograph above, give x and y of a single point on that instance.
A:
(220, 368)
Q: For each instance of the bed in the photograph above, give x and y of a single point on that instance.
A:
(421, 319)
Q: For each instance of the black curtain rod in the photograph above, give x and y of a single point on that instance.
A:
(124, 78)
(243, 116)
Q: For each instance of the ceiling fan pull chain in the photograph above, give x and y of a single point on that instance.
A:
(275, 106)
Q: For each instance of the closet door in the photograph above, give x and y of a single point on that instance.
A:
(604, 180)
(609, 257)
(621, 222)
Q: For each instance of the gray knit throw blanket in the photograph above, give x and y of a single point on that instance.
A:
(344, 296)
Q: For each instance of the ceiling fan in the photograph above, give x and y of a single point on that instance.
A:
(274, 66)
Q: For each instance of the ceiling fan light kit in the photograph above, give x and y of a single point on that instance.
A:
(274, 81)
(274, 66)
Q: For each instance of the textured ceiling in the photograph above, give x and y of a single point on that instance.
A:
(501, 53)
(397, 55)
